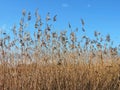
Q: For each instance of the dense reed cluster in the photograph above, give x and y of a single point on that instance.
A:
(44, 59)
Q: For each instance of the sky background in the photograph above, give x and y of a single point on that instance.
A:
(99, 15)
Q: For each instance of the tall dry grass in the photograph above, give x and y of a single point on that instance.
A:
(47, 60)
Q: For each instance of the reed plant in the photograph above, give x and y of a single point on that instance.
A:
(47, 60)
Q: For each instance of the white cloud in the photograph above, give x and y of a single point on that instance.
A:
(65, 5)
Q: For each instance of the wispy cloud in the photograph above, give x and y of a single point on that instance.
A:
(5, 28)
(65, 5)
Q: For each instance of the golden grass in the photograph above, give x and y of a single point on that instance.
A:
(60, 77)
(53, 61)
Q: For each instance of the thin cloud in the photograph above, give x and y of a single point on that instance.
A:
(4, 28)
(65, 5)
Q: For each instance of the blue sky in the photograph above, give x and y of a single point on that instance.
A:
(100, 15)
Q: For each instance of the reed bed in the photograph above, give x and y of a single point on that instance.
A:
(48, 60)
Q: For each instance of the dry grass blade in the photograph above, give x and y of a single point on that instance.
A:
(82, 21)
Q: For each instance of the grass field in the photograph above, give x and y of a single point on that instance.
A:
(47, 60)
